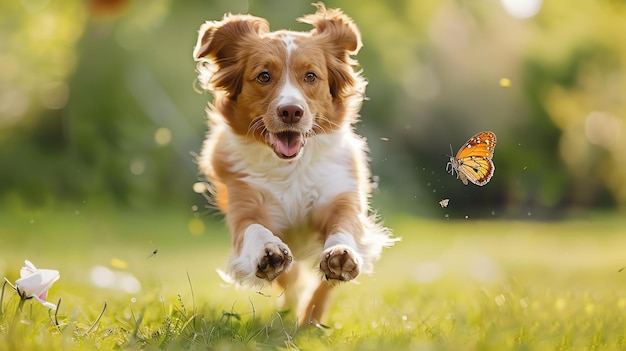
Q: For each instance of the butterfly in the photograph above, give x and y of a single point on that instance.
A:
(473, 161)
(444, 203)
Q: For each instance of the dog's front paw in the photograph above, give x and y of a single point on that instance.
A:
(340, 263)
(276, 259)
(262, 257)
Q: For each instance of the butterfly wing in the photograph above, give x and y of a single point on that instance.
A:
(473, 161)
(481, 144)
(477, 170)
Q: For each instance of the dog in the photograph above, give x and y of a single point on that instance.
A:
(284, 163)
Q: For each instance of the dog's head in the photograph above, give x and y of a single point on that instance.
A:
(282, 87)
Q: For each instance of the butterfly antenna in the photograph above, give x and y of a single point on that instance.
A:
(449, 166)
(451, 152)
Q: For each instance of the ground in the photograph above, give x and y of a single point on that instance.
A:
(448, 285)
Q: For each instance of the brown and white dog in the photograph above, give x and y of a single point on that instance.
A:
(285, 165)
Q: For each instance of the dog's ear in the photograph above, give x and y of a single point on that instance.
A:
(219, 39)
(340, 38)
(217, 49)
(337, 26)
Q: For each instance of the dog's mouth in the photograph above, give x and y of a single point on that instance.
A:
(287, 144)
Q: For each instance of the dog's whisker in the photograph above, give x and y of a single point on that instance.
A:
(330, 123)
(255, 125)
(313, 134)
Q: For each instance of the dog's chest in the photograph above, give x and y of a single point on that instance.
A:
(297, 193)
(325, 170)
(301, 186)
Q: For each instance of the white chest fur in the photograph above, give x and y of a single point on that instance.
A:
(325, 169)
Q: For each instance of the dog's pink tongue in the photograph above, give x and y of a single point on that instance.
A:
(287, 144)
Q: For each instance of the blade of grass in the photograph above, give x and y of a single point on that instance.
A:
(2, 300)
(93, 325)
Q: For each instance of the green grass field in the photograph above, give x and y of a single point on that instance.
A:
(449, 285)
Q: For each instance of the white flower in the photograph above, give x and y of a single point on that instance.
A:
(35, 283)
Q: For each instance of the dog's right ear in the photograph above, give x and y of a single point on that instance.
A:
(218, 47)
(218, 40)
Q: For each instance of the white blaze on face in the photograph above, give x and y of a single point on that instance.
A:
(290, 94)
(290, 43)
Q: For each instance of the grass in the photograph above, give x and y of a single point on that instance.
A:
(449, 285)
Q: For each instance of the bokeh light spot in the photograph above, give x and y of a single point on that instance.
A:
(102, 277)
(200, 187)
(128, 282)
(137, 166)
(163, 136)
(603, 129)
(559, 304)
(119, 263)
(522, 8)
(196, 227)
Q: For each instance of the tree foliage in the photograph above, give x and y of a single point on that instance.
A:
(97, 100)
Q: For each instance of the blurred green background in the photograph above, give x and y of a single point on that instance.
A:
(99, 104)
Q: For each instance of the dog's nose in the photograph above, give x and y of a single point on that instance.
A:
(290, 113)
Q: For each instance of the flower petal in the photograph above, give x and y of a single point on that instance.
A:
(43, 296)
(38, 282)
(35, 283)
(30, 285)
(30, 265)
(49, 276)
(28, 269)
(46, 303)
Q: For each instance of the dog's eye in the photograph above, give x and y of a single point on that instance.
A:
(310, 77)
(263, 77)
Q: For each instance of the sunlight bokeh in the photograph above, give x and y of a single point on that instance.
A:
(522, 8)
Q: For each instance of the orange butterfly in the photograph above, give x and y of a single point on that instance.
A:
(473, 161)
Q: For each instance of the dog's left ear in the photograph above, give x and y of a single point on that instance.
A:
(337, 25)
(341, 38)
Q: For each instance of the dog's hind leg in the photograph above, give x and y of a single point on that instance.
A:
(316, 307)
(289, 289)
